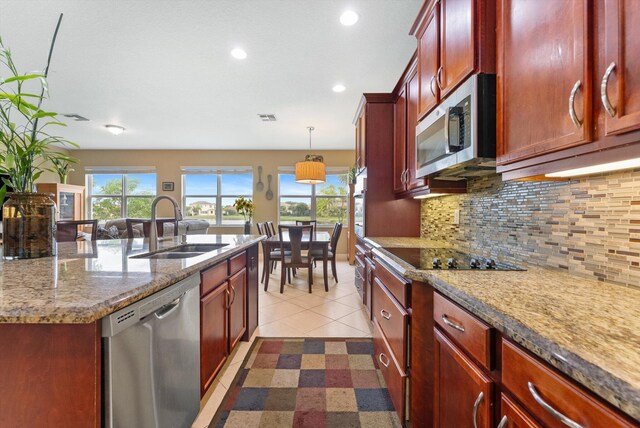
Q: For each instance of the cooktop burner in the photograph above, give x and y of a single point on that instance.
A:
(446, 258)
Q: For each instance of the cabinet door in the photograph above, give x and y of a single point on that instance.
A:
(361, 161)
(412, 121)
(214, 336)
(400, 142)
(457, 52)
(237, 308)
(514, 416)
(544, 58)
(428, 62)
(463, 393)
(621, 79)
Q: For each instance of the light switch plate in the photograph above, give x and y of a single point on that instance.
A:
(456, 216)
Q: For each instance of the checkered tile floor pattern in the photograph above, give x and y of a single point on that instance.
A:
(308, 382)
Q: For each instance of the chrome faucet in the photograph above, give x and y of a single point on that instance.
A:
(153, 231)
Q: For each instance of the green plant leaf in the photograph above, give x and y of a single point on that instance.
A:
(42, 113)
(23, 78)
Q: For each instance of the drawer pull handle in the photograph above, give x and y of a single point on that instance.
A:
(433, 78)
(475, 409)
(386, 315)
(503, 422)
(556, 414)
(381, 361)
(452, 324)
(603, 90)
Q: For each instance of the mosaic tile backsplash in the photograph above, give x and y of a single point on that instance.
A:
(590, 227)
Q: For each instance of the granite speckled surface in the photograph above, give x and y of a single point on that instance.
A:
(589, 330)
(87, 281)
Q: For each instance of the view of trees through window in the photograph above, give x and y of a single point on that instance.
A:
(326, 203)
(211, 196)
(121, 195)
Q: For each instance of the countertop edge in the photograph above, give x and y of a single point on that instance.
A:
(590, 376)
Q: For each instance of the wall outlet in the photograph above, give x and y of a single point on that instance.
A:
(456, 216)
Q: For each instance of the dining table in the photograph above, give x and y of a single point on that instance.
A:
(318, 240)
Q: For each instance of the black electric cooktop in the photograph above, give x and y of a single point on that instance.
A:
(446, 258)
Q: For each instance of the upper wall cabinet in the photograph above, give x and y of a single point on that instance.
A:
(455, 39)
(568, 85)
(544, 77)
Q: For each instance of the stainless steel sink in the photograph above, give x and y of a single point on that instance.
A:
(184, 251)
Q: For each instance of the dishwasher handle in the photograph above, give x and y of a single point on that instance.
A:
(164, 311)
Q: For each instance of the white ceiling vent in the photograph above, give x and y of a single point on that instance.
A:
(267, 117)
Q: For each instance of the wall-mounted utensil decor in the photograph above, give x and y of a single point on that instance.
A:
(269, 194)
(259, 184)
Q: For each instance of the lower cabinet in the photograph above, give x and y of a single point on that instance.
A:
(214, 334)
(237, 307)
(463, 392)
(514, 416)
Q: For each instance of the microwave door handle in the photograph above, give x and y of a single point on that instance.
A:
(446, 129)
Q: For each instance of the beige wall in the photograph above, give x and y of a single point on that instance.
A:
(168, 164)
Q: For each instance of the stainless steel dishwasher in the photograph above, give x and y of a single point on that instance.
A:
(152, 360)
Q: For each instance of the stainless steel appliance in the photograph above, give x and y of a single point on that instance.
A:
(152, 360)
(358, 205)
(458, 139)
(447, 258)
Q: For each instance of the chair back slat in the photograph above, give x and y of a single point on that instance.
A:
(296, 235)
(313, 223)
(260, 227)
(67, 230)
(335, 236)
(271, 228)
(146, 226)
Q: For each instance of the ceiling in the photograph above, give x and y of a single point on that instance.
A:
(162, 68)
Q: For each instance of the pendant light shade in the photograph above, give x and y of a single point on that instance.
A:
(312, 169)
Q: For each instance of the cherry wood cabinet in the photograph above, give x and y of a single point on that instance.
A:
(598, 39)
(69, 199)
(455, 39)
(620, 96)
(361, 155)
(400, 142)
(214, 334)
(237, 307)
(544, 78)
(514, 416)
(463, 392)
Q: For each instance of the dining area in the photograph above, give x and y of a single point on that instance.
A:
(298, 249)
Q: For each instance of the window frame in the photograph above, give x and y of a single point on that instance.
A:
(314, 195)
(124, 196)
(218, 172)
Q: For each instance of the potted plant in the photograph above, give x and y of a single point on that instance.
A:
(26, 150)
(62, 168)
(245, 207)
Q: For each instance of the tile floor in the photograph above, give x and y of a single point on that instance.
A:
(296, 313)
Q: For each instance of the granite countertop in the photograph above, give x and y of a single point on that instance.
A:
(88, 280)
(589, 330)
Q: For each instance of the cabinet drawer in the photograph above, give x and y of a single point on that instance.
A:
(395, 378)
(525, 376)
(212, 277)
(393, 320)
(397, 286)
(473, 335)
(237, 263)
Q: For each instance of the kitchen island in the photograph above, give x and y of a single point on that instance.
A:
(51, 311)
(586, 329)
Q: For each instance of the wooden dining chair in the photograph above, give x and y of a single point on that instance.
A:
(67, 230)
(316, 253)
(146, 226)
(313, 223)
(295, 259)
(271, 227)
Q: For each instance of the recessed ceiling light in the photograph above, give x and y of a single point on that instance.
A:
(349, 18)
(115, 129)
(339, 88)
(238, 53)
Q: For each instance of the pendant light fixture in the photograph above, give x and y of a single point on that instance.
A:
(312, 169)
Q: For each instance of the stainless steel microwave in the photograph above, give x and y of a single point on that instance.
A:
(458, 139)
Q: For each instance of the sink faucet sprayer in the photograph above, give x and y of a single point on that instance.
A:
(153, 231)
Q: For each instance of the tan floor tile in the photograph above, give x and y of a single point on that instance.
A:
(279, 329)
(258, 378)
(359, 320)
(336, 329)
(361, 362)
(379, 420)
(306, 321)
(243, 419)
(313, 361)
(341, 400)
(338, 292)
(277, 311)
(308, 300)
(266, 299)
(271, 419)
(333, 310)
(209, 405)
(354, 300)
(226, 378)
(335, 348)
(284, 378)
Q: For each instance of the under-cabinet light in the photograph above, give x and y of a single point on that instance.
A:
(430, 195)
(605, 167)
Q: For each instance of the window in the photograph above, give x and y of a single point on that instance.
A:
(116, 193)
(326, 203)
(209, 193)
